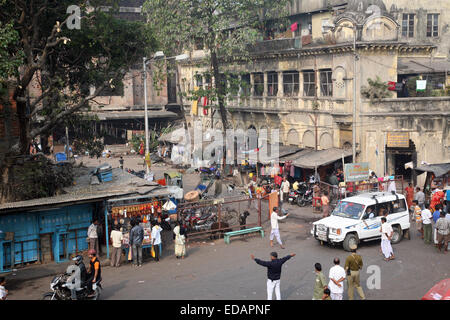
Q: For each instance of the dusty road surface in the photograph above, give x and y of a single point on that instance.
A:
(214, 270)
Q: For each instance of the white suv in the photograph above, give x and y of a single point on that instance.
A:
(358, 218)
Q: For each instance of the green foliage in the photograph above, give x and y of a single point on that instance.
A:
(376, 90)
(11, 57)
(227, 28)
(69, 62)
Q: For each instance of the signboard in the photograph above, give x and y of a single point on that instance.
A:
(356, 171)
(397, 140)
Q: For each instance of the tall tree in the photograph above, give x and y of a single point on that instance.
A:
(226, 27)
(71, 66)
(68, 62)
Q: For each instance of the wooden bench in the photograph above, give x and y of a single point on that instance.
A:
(240, 232)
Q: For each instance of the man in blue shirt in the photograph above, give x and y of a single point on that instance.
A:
(436, 215)
(273, 273)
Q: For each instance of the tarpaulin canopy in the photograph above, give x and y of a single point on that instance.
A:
(439, 169)
(317, 158)
(177, 136)
(267, 153)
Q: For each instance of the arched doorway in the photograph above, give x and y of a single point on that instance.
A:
(397, 157)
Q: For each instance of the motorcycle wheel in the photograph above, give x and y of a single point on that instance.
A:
(49, 296)
(300, 202)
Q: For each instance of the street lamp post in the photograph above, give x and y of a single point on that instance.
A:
(145, 60)
(146, 113)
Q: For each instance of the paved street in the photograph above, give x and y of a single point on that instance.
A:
(213, 270)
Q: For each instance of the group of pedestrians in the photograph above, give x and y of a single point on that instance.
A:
(432, 227)
(323, 290)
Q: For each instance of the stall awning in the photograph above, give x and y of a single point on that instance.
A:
(296, 155)
(319, 158)
(439, 169)
(265, 156)
(177, 136)
(422, 65)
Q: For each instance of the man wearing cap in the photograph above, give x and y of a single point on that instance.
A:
(273, 272)
(354, 263)
(274, 217)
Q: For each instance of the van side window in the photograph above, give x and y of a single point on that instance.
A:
(370, 212)
(398, 206)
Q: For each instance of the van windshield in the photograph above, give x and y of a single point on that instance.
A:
(347, 209)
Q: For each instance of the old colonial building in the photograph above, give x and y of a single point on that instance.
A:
(310, 85)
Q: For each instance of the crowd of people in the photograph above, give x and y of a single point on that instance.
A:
(323, 290)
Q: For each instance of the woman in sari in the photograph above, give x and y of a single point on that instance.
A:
(180, 241)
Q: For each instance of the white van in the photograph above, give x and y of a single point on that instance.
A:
(358, 218)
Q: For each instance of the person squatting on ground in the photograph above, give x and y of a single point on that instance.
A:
(386, 236)
(274, 217)
(336, 284)
(273, 272)
(353, 264)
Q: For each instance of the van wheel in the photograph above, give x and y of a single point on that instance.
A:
(397, 236)
(349, 240)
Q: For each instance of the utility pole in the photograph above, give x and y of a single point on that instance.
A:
(354, 97)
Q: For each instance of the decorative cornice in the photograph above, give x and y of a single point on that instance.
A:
(401, 47)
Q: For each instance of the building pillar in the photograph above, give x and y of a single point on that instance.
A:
(265, 90)
(280, 92)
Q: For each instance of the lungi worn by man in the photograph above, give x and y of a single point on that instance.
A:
(273, 273)
(386, 235)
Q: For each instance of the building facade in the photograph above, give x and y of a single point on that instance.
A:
(308, 90)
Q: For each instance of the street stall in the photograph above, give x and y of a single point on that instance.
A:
(160, 205)
(437, 178)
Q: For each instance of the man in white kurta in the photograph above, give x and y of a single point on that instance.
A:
(386, 235)
(275, 231)
(336, 284)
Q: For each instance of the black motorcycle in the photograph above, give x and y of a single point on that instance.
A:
(61, 290)
(305, 197)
